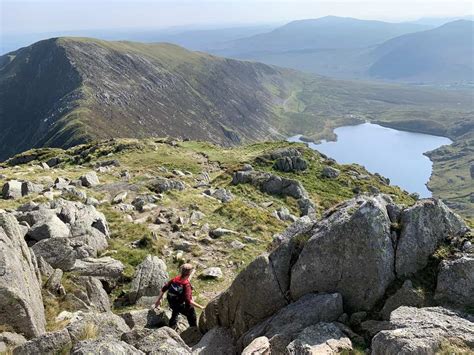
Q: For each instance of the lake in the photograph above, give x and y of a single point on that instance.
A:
(395, 154)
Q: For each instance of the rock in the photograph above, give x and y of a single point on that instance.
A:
(371, 327)
(290, 164)
(60, 183)
(145, 318)
(157, 341)
(94, 294)
(57, 252)
(12, 190)
(191, 336)
(52, 227)
(104, 346)
(285, 215)
(259, 346)
(99, 324)
(90, 179)
(149, 278)
(357, 318)
(405, 296)
(322, 338)
(240, 308)
(160, 185)
(216, 341)
(422, 330)
(28, 188)
(49, 343)
(223, 195)
(471, 170)
(235, 244)
(53, 284)
(120, 197)
(282, 153)
(45, 269)
(330, 172)
(284, 326)
(9, 341)
(423, 227)
(212, 273)
(272, 184)
(219, 232)
(350, 252)
(21, 303)
(107, 163)
(247, 167)
(102, 268)
(456, 282)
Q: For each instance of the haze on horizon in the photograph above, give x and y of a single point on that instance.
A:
(40, 16)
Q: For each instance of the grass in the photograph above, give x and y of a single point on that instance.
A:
(448, 347)
(90, 331)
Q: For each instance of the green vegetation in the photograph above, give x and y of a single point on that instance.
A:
(250, 213)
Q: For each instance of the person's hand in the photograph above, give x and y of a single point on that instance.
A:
(156, 305)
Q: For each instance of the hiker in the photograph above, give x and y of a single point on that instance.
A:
(180, 298)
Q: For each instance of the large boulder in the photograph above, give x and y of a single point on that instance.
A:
(254, 295)
(149, 278)
(105, 268)
(9, 340)
(422, 331)
(57, 252)
(350, 252)
(100, 324)
(259, 346)
(322, 339)
(216, 341)
(92, 293)
(162, 341)
(104, 346)
(407, 295)
(284, 326)
(11, 190)
(49, 343)
(423, 227)
(456, 282)
(21, 303)
(51, 227)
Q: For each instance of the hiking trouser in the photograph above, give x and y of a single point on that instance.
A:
(186, 310)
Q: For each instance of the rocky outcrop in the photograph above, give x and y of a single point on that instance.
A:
(157, 341)
(405, 296)
(145, 318)
(101, 324)
(21, 303)
(422, 330)
(456, 282)
(353, 251)
(330, 172)
(276, 185)
(259, 346)
(104, 346)
(92, 293)
(423, 227)
(217, 341)
(321, 339)
(149, 278)
(284, 326)
(105, 268)
(290, 164)
(49, 343)
(349, 252)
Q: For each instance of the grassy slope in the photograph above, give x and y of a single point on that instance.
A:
(245, 214)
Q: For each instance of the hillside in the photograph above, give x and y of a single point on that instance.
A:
(90, 234)
(61, 92)
(440, 55)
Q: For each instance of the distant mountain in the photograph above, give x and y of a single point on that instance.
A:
(64, 91)
(444, 54)
(439, 21)
(329, 32)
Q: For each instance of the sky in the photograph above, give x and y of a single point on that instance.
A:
(34, 16)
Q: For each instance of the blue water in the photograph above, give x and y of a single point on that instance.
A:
(395, 154)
